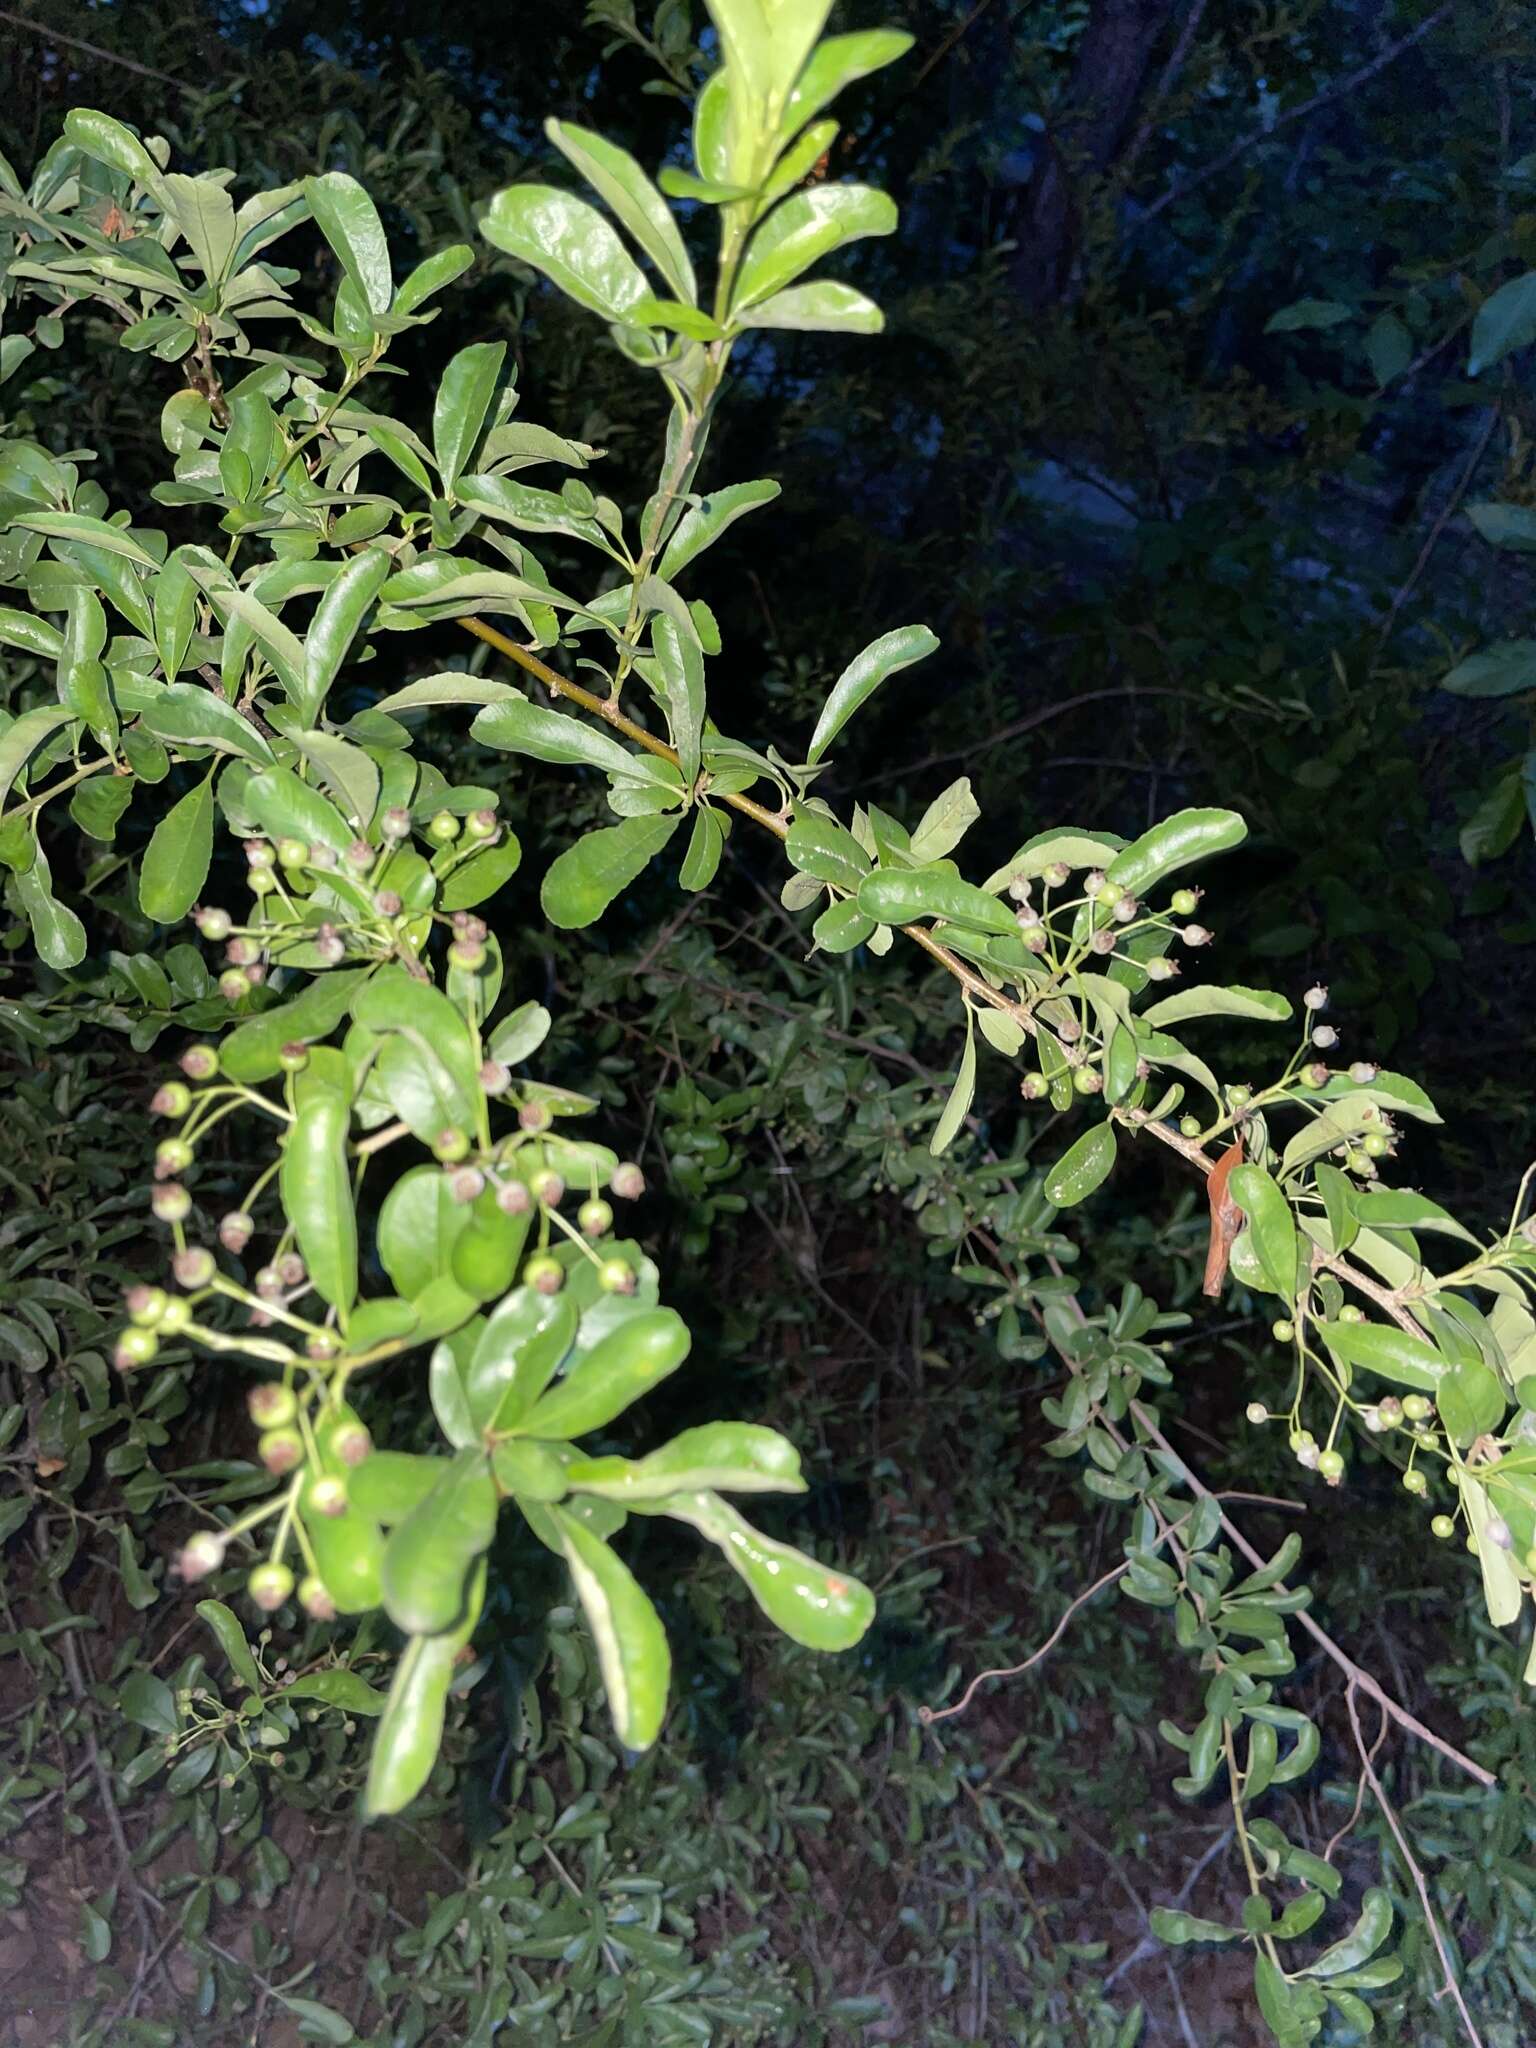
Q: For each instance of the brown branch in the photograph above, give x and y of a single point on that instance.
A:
(1369, 1768)
(54, 35)
(1182, 187)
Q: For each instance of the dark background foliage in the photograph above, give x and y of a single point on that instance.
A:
(1177, 552)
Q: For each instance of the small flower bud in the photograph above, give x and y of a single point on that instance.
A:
(235, 984)
(1125, 909)
(322, 856)
(291, 1269)
(627, 1181)
(1324, 1036)
(194, 1268)
(199, 1062)
(1308, 1456)
(235, 1230)
(535, 1116)
(200, 1555)
(1102, 941)
(1363, 1073)
(170, 1202)
(1026, 917)
(466, 1183)
(513, 1198)
(1196, 935)
(213, 923)
(359, 856)
(1160, 968)
(396, 823)
(1257, 1412)
(269, 1283)
(1095, 882)
(387, 902)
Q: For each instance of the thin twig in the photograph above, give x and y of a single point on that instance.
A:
(1447, 514)
(1369, 1768)
(54, 35)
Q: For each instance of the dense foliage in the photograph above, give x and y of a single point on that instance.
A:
(215, 635)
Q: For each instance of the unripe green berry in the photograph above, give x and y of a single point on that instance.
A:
(1414, 1480)
(546, 1186)
(315, 1599)
(513, 1198)
(1239, 1097)
(1351, 1314)
(178, 1314)
(443, 829)
(627, 1181)
(1417, 1407)
(1257, 1412)
(280, 1450)
(545, 1275)
(271, 1405)
(269, 1586)
(292, 853)
(322, 1346)
(595, 1217)
(1377, 1144)
(261, 881)
(328, 1496)
(1190, 1126)
(199, 1062)
(145, 1305)
(1330, 1465)
(481, 825)
(1185, 902)
(194, 1268)
(616, 1276)
(535, 1116)
(258, 854)
(349, 1442)
(214, 924)
(293, 1058)
(135, 1347)
(1034, 1087)
(171, 1098)
(1443, 1526)
(1087, 1081)
(1282, 1331)
(200, 1555)
(450, 1146)
(170, 1202)
(235, 984)
(396, 823)
(468, 955)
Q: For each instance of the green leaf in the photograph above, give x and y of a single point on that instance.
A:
(148, 1702)
(1506, 320)
(178, 856)
(1082, 1168)
(1072, 849)
(419, 1224)
(411, 1729)
(818, 1608)
(1493, 827)
(1388, 349)
(1502, 671)
(520, 1034)
(464, 398)
(188, 715)
(1361, 1942)
(428, 1557)
(621, 1367)
(349, 221)
(836, 63)
(318, 2022)
(804, 228)
(1506, 526)
(351, 775)
(571, 243)
(581, 883)
(32, 635)
(618, 180)
(387, 1485)
(1389, 1353)
(720, 1457)
(1503, 1593)
(682, 674)
(899, 895)
(706, 842)
(450, 688)
(957, 1108)
(342, 1689)
(708, 517)
(232, 1641)
(109, 142)
(524, 1342)
(632, 1650)
(286, 808)
(1472, 1401)
(1338, 1193)
(1271, 1223)
(1179, 1929)
(315, 1177)
(57, 933)
(428, 1071)
(76, 526)
(821, 307)
(472, 881)
(863, 676)
(21, 740)
(1259, 1003)
(251, 1051)
(945, 823)
(338, 618)
(1185, 837)
(1307, 313)
(842, 926)
(519, 727)
(432, 275)
(823, 849)
(97, 806)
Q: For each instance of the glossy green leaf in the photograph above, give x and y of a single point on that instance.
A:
(836, 63)
(315, 1177)
(803, 228)
(1507, 670)
(822, 307)
(706, 842)
(814, 1606)
(958, 1107)
(351, 776)
(1271, 1223)
(1389, 1353)
(31, 634)
(148, 1702)
(682, 674)
(863, 676)
(616, 1372)
(708, 517)
(629, 194)
(349, 221)
(251, 1051)
(77, 526)
(632, 1650)
(584, 880)
(717, 1457)
(109, 142)
(902, 895)
(1362, 1941)
(22, 738)
(338, 620)
(388, 1485)
(841, 927)
(825, 850)
(232, 1641)
(464, 398)
(343, 1689)
(517, 1354)
(518, 1036)
(451, 688)
(428, 1557)
(1185, 837)
(523, 728)
(571, 243)
(1179, 1929)
(185, 714)
(1472, 1401)
(427, 1069)
(1083, 1167)
(410, 1731)
(1259, 1003)
(419, 1224)
(478, 878)
(177, 859)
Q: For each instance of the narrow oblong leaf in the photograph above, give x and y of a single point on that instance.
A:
(863, 676)
(632, 1649)
(178, 856)
(411, 1729)
(463, 400)
(823, 306)
(350, 222)
(821, 1609)
(801, 229)
(708, 517)
(1271, 1223)
(616, 1372)
(581, 882)
(427, 1559)
(315, 1177)
(570, 243)
(957, 1108)
(232, 1641)
(336, 623)
(618, 180)
(1082, 1167)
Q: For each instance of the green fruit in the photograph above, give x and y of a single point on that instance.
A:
(1444, 1526)
(1376, 1144)
(616, 1276)
(136, 1347)
(280, 1450)
(269, 1586)
(1414, 1480)
(595, 1217)
(1351, 1315)
(1331, 1464)
(443, 829)
(271, 1405)
(544, 1274)
(293, 853)
(146, 1306)
(1282, 1331)
(1189, 1125)
(1417, 1407)
(1185, 903)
